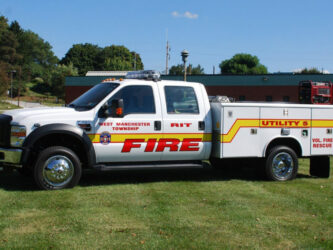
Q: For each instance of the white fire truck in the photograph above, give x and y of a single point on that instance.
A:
(143, 122)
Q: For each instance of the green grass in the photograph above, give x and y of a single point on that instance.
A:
(169, 210)
(45, 99)
(7, 106)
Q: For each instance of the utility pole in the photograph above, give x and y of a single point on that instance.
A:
(11, 83)
(18, 88)
(134, 61)
(167, 58)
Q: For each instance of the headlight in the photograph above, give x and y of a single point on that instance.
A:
(17, 135)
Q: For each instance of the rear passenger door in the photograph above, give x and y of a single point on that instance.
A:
(183, 122)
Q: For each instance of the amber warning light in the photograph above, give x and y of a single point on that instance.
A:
(119, 111)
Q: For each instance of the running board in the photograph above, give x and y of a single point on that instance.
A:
(158, 165)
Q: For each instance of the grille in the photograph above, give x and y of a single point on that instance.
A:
(5, 130)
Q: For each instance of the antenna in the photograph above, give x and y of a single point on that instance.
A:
(167, 54)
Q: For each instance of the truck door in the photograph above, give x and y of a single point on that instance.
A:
(132, 137)
(186, 135)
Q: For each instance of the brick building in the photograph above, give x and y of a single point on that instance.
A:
(270, 87)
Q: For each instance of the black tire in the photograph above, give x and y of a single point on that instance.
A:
(281, 164)
(57, 168)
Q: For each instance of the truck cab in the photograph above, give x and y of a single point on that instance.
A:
(139, 121)
(315, 92)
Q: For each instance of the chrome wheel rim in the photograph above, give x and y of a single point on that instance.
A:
(283, 165)
(58, 170)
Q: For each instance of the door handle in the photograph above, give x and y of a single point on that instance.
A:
(157, 125)
(201, 125)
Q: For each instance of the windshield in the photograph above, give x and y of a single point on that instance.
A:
(93, 96)
(322, 91)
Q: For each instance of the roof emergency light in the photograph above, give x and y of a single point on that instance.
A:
(144, 74)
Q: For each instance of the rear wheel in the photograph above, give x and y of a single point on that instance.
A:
(281, 164)
(57, 168)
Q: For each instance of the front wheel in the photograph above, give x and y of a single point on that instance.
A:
(57, 168)
(281, 164)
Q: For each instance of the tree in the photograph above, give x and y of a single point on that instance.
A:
(58, 78)
(310, 71)
(82, 56)
(190, 70)
(4, 79)
(8, 43)
(118, 58)
(87, 57)
(242, 64)
(176, 70)
(38, 58)
(196, 70)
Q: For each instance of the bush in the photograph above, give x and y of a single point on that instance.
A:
(38, 80)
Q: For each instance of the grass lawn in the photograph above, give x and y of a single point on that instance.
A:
(203, 209)
(45, 99)
(7, 106)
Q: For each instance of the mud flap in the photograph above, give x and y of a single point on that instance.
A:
(320, 166)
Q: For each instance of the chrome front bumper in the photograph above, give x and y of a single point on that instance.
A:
(10, 156)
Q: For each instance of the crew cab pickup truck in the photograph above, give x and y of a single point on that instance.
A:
(144, 122)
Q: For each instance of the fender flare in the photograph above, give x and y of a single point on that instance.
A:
(290, 139)
(59, 128)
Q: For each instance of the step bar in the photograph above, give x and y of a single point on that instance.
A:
(150, 166)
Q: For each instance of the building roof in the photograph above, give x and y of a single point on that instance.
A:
(218, 80)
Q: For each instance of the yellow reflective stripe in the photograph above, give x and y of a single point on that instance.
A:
(273, 123)
(322, 123)
(225, 138)
(95, 138)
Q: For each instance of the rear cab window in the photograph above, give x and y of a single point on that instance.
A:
(181, 100)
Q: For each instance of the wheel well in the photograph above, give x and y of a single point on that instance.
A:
(289, 142)
(57, 139)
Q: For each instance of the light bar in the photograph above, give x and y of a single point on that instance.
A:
(144, 74)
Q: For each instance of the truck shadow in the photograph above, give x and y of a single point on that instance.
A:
(15, 182)
(174, 175)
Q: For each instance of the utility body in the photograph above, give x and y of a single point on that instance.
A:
(131, 123)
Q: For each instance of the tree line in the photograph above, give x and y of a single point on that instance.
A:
(26, 57)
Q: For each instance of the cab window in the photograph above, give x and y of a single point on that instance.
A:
(137, 99)
(181, 100)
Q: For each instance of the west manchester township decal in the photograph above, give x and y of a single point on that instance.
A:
(105, 138)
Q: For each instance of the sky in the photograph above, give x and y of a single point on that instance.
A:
(285, 35)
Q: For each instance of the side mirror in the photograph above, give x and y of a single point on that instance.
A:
(117, 108)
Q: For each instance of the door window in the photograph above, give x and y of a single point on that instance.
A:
(181, 100)
(137, 99)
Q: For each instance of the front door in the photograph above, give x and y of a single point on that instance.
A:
(131, 138)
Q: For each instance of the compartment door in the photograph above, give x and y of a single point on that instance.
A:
(241, 134)
(286, 122)
(322, 139)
